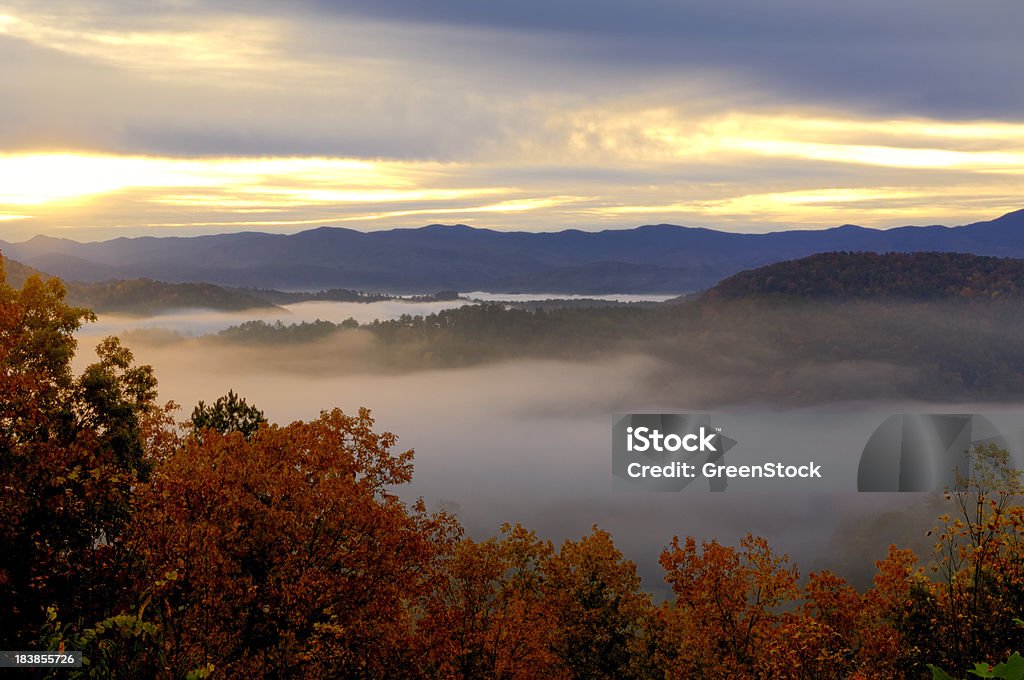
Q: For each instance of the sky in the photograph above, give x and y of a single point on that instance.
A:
(173, 117)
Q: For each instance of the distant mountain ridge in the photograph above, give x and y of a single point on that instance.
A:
(653, 258)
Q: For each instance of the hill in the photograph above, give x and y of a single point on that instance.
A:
(146, 296)
(860, 276)
(436, 257)
(141, 296)
(17, 273)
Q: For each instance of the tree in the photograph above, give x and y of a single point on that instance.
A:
(979, 562)
(821, 638)
(228, 414)
(1011, 669)
(602, 619)
(488, 614)
(289, 553)
(70, 452)
(725, 618)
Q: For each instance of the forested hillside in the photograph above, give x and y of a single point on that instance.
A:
(889, 276)
(146, 296)
(142, 296)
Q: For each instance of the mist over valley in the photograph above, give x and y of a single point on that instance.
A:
(508, 407)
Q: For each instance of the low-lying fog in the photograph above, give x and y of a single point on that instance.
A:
(527, 441)
(532, 297)
(204, 321)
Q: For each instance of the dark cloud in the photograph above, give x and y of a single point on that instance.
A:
(943, 58)
(780, 19)
(437, 80)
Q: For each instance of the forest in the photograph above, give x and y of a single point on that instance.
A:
(221, 545)
(861, 275)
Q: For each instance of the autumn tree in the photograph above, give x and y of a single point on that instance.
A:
(896, 617)
(724, 620)
(602, 619)
(488, 615)
(820, 637)
(71, 449)
(979, 565)
(288, 555)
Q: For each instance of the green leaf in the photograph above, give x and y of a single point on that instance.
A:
(938, 673)
(1011, 669)
(982, 670)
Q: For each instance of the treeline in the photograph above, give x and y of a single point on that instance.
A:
(262, 332)
(279, 297)
(229, 547)
(926, 325)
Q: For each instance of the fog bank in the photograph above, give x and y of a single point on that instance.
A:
(529, 440)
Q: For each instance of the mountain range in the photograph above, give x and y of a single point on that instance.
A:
(649, 259)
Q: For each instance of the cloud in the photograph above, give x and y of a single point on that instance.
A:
(925, 57)
(613, 165)
(432, 74)
(737, 114)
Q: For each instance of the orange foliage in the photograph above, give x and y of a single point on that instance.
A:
(70, 450)
(288, 551)
(724, 619)
(488, 616)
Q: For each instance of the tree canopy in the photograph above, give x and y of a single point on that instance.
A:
(229, 413)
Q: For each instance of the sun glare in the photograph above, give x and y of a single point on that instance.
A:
(36, 179)
(965, 168)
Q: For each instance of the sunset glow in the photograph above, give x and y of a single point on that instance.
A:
(219, 120)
